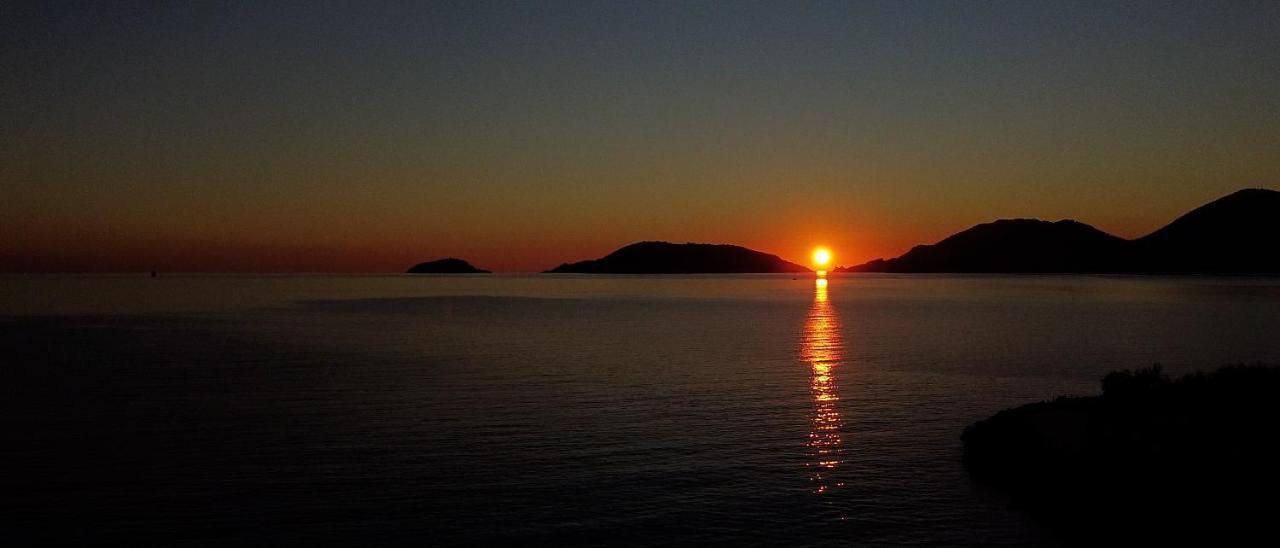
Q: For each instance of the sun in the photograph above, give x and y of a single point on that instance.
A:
(821, 257)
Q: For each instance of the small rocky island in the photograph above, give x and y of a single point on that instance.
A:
(445, 266)
(1152, 459)
(687, 258)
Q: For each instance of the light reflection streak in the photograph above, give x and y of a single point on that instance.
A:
(821, 348)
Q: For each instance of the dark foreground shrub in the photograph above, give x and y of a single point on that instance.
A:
(1152, 458)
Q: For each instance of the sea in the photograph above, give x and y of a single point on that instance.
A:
(562, 410)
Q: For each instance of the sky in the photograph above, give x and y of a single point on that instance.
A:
(367, 136)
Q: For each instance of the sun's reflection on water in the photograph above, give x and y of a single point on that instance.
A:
(821, 348)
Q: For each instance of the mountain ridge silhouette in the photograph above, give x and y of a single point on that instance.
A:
(1230, 235)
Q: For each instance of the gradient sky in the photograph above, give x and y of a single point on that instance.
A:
(366, 136)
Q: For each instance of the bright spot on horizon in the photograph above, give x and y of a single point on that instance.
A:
(821, 257)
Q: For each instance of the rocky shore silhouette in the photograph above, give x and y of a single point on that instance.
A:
(1151, 458)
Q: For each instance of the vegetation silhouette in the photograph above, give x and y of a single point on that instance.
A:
(1152, 458)
(1231, 235)
(687, 258)
(448, 265)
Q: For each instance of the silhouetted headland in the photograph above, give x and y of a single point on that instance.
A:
(1231, 235)
(445, 266)
(1151, 458)
(688, 258)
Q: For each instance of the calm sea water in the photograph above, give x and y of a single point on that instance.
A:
(561, 410)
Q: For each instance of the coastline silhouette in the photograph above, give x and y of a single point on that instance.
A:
(1231, 235)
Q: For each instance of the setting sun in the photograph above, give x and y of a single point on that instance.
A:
(821, 257)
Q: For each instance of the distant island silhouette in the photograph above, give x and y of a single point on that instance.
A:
(687, 258)
(1235, 234)
(445, 266)
(1152, 458)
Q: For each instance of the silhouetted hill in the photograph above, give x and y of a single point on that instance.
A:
(445, 266)
(669, 258)
(1010, 245)
(1151, 459)
(1238, 233)
(1233, 234)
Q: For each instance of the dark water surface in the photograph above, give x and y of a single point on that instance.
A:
(558, 409)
